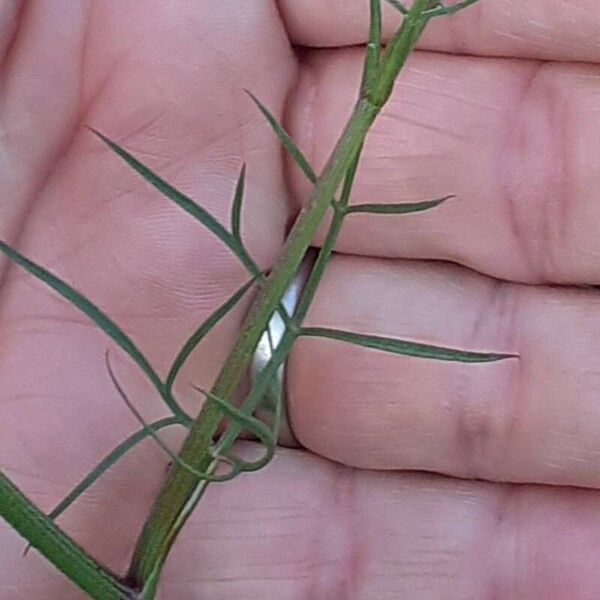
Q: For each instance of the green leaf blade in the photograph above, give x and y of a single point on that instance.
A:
(203, 330)
(285, 139)
(402, 208)
(398, 6)
(405, 348)
(110, 328)
(107, 462)
(236, 209)
(180, 199)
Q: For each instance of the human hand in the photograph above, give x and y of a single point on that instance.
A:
(513, 137)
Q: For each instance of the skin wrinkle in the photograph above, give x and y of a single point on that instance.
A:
(442, 93)
(504, 577)
(422, 124)
(543, 236)
(343, 581)
(556, 210)
(507, 175)
(479, 430)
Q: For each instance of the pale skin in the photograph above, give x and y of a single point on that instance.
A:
(502, 501)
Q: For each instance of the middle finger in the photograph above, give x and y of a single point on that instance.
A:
(532, 419)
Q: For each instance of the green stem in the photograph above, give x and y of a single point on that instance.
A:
(57, 546)
(182, 490)
(251, 403)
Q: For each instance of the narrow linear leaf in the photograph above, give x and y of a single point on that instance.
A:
(232, 240)
(404, 347)
(106, 463)
(449, 10)
(235, 468)
(202, 331)
(285, 139)
(55, 545)
(398, 6)
(373, 51)
(183, 201)
(236, 209)
(399, 208)
(236, 214)
(98, 317)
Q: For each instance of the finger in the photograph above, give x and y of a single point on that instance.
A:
(516, 142)
(545, 29)
(305, 528)
(532, 419)
(39, 100)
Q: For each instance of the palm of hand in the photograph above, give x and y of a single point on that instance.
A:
(167, 84)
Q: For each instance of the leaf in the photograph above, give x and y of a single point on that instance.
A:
(372, 54)
(398, 6)
(232, 240)
(449, 10)
(55, 545)
(235, 469)
(201, 332)
(108, 461)
(251, 424)
(98, 317)
(285, 139)
(185, 203)
(399, 208)
(236, 209)
(403, 347)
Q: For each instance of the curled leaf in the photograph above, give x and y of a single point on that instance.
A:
(202, 475)
(266, 436)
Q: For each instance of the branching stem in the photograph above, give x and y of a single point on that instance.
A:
(182, 490)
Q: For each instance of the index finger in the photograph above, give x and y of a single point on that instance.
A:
(544, 29)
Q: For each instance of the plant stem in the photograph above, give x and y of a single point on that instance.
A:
(251, 403)
(182, 490)
(57, 546)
